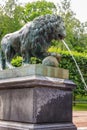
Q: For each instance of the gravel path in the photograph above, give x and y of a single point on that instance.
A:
(80, 118)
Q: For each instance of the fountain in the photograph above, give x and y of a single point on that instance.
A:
(36, 97)
(82, 78)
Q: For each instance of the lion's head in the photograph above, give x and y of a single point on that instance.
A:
(49, 25)
(46, 28)
(39, 33)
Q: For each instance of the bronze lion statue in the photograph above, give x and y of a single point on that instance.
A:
(33, 39)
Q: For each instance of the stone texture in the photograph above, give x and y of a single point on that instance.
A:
(16, 105)
(51, 107)
(38, 69)
(31, 81)
(36, 105)
(16, 126)
(50, 61)
(30, 101)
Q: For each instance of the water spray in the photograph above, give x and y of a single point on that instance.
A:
(82, 78)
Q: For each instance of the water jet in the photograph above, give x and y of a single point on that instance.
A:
(82, 78)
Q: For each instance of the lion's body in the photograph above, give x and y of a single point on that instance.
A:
(34, 38)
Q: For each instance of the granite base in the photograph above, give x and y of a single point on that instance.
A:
(24, 126)
(36, 102)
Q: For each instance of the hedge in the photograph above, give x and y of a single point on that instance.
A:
(68, 63)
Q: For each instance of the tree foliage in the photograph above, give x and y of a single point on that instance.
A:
(10, 17)
(76, 35)
(14, 16)
(35, 9)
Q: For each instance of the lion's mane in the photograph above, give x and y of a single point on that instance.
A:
(43, 30)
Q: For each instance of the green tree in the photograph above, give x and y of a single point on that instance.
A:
(76, 35)
(37, 8)
(10, 17)
(13, 16)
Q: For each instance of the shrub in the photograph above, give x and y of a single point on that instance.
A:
(35, 60)
(17, 61)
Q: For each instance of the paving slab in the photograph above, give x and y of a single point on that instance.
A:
(80, 119)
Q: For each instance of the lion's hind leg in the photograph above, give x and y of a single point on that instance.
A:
(2, 60)
(7, 57)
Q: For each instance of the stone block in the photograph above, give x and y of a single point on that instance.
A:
(36, 105)
(36, 102)
(35, 69)
(24, 126)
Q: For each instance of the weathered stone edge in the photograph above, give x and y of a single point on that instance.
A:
(34, 69)
(33, 81)
(26, 126)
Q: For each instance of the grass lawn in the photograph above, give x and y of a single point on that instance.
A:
(81, 106)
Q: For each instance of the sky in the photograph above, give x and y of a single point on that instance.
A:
(79, 7)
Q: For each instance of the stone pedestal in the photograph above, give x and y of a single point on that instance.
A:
(36, 100)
